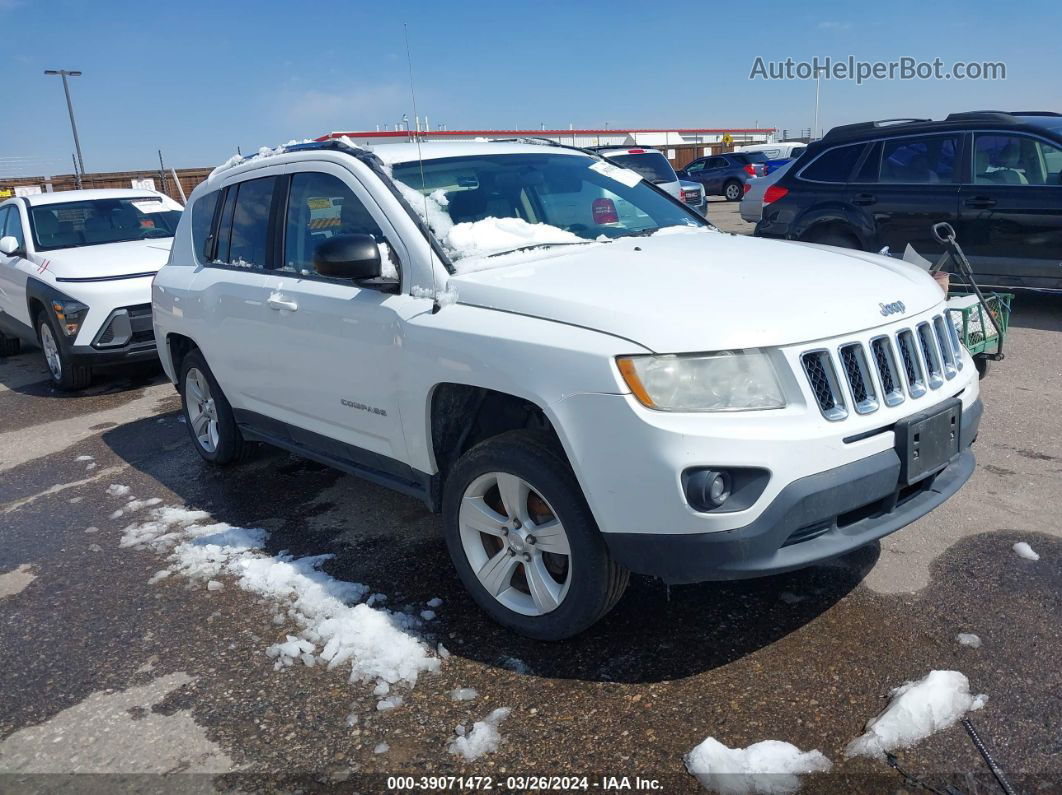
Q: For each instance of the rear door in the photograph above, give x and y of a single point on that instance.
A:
(1010, 210)
(715, 169)
(907, 184)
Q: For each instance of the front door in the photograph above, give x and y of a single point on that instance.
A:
(340, 342)
(14, 270)
(1010, 210)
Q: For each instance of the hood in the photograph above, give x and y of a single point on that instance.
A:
(108, 260)
(692, 291)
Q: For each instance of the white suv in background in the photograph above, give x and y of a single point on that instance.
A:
(582, 375)
(75, 277)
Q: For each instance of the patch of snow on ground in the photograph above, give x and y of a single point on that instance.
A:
(84, 458)
(915, 711)
(434, 602)
(463, 693)
(516, 665)
(381, 748)
(389, 703)
(376, 643)
(770, 766)
(969, 639)
(427, 615)
(482, 739)
(117, 490)
(1023, 550)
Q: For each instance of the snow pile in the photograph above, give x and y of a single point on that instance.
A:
(1023, 550)
(263, 152)
(377, 644)
(917, 710)
(443, 297)
(492, 235)
(483, 737)
(770, 766)
(135, 505)
(969, 639)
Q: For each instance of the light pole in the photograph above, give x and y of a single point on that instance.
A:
(63, 73)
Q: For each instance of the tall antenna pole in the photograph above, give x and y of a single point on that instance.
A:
(420, 160)
(818, 81)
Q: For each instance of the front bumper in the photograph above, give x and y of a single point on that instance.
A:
(87, 356)
(812, 519)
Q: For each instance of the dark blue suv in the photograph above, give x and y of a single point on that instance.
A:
(996, 177)
(726, 174)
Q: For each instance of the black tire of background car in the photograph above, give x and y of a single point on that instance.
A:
(72, 376)
(598, 582)
(231, 445)
(9, 346)
(981, 363)
(737, 192)
(832, 238)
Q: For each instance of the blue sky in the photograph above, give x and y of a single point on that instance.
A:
(196, 78)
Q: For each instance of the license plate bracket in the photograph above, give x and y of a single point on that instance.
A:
(927, 441)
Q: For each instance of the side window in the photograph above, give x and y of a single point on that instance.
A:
(833, 165)
(1001, 159)
(695, 166)
(202, 220)
(247, 240)
(716, 162)
(12, 226)
(4, 212)
(319, 207)
(919, 161)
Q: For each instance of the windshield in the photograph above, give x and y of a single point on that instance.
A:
(489, 204)
(653, 166)
(98, 221)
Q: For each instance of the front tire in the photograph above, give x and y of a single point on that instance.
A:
(523, 540)
(207, 413)
(65, 374)
(732, 190)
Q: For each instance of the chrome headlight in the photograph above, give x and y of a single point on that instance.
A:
(722, 381)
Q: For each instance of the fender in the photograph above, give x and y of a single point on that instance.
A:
(834, 212)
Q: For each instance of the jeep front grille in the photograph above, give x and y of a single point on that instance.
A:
(888, 369)
(823, 380)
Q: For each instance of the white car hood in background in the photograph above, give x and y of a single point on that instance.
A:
(702, 291)
(108, 260)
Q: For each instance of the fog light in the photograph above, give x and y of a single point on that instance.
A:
(708, 488)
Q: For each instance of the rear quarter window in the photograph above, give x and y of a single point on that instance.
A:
(202, 224)
(833, 165)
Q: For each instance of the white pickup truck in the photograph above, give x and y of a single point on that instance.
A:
(578, 371)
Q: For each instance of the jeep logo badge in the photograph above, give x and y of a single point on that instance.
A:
(896, 307)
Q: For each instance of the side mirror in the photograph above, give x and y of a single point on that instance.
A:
(348, 257)
(9, 245)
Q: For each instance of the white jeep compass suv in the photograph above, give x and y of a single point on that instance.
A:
(581, 374)
(75, 277)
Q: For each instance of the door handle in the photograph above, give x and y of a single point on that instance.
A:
(864, 199)
(981, 202)
(278, 303)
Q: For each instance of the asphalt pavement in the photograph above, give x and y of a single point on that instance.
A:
(165, 685)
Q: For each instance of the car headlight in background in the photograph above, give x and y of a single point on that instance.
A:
(722, 381)
(70, 314)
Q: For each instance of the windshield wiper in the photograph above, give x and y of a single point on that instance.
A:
(537, 245)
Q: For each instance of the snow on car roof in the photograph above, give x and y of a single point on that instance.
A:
(96, 194)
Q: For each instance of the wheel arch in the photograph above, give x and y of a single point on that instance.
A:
(177, 347)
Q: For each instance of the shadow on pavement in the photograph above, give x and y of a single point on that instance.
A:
(1041, 311)
(395, 545)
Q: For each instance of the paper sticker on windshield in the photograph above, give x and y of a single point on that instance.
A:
(150, 206)
(624, 176)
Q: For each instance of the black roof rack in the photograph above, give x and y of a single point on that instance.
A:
(987, 115)
(847, 129)
(1034, 113)
(527, 139)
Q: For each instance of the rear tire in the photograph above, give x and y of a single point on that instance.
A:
(9, 346)
(832, 237)
(207, 413)
(65, 374)
(533, 559)
(733, 190)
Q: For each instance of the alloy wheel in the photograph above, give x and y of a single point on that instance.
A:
(515, 543)
(202, 411)
(51, 352)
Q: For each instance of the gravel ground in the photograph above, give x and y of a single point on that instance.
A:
(103, 672)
